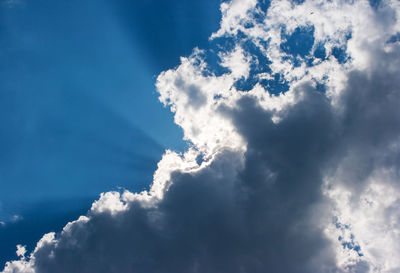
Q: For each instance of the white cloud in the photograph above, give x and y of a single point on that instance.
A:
(237, 63)
(234, 15)
(21, 250)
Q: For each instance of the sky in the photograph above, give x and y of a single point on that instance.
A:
(176, 136)
(79, 109)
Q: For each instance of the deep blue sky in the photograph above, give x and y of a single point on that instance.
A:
(79, 113)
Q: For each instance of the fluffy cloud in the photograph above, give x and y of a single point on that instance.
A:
(297, 172)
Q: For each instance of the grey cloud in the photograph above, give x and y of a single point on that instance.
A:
(195, 98)
(370, 119)
(265, 217)
(256, 219)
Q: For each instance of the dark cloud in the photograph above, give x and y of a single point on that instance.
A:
(370, 119)
(264, 217)
(256, 219)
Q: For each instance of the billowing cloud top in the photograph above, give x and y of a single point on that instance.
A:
(293, 115)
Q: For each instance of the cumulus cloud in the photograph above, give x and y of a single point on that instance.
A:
(297, 172)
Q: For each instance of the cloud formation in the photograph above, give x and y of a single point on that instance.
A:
(297, 172)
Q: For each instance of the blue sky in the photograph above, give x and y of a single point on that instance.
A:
(78, 105)
(290, 114)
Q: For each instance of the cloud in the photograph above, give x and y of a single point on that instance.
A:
(21, 251)
(303, 180)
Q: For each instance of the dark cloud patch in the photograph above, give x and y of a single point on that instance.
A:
(195, 98)
(371, 118)
(222, 219)
(295, 149)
